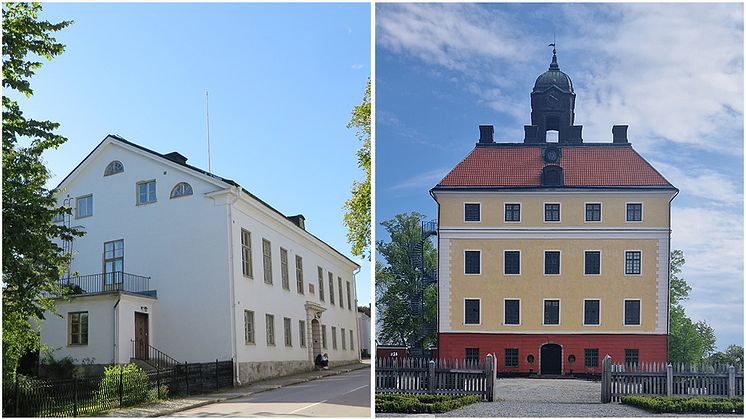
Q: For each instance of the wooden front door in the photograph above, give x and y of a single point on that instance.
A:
(141, 336)
(551, 359)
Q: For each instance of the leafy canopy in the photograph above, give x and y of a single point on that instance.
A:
(357, 208)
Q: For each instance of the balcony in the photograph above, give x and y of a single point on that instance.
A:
(105, 282)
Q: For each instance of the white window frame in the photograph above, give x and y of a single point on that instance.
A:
(480, 261)
(77, 206)
(520, 262)
(269, 332)
(642, 212)
(624, 262)
(544, 212)
(600, 261)
(267, 270)
(624, 312)
(480, 311)
(480, 213)
(544, 262)
(137, 192)
(599, 312)
(174, 193)
(246, 328)
(585, 212)
(520, 312)
(334, 338)
(287, 327)
(247, 246)
(520, 212)
(344, 339)
(302, 333)
(544, 309)
(285, 269)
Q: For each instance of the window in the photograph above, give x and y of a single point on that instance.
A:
(248, 327)
(551, 212)
(592, 262)
(302, 333)
(299, 274)
(284, 270)
(634, 212)
(339, 282)
(472, 212)
(334, 338)
(323, 336)
(551, 262)
(511, 357)
(270, 329)
(267, 260)
(145, 192)
(591, 312)
(321, 283)
(288, 332)
(352, 342)
(592, 212)
(58, 218)
(84, 206)
(471, 311)
(246, 265)
(181, 189)
(331, 287)
(631, 356)
(472, 262)
(113, 261)
(349, 301)
(344, 340)
(631, 312)
(113, 168)
(512, 262)
(551, 312)
(632, 262)
(513, 312)
(472, 355)
(512, 213)
(591, 358)
(78, 328)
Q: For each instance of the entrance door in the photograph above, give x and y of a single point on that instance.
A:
(316, 337)
(551, 359)
(141, 336)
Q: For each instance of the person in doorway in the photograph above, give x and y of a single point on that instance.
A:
(319, 361)
(325, 361)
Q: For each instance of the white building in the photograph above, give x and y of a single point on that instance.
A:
(363, 328)
(190, 263)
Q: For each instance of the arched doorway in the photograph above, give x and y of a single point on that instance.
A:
(315, 337)
(551, 359)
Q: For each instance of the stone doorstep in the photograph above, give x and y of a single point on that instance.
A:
(170, 407)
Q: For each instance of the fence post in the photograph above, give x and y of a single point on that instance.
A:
(606, 380)
(489, 373)
(75, 397)
(186, 374)
(217, 382)
(669, 379)
(158, 378)
(121, 387)
(431, 377)
(731, 381)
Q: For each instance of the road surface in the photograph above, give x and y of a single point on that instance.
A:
(344, 395)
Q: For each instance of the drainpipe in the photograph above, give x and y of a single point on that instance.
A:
(115, 316)
(354, 281)
(231, 281)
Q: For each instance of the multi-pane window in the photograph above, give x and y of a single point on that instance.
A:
(634, 212)
(632, 262)
(551, 312)
(512, 311)
(551, 262)
(344, 340)
(288, 332)
(113, 168)
(512, 212)
(302, 333)
(591, 358)
(321, 282)
(334, 338)
(472, 355)
(631, 312)
(284, 270)
(349, 298)
(339, 282)
(472, 212)
(592, 262)
(113, 261)
(78, 328)
(181, 189)
(270, 319)
(591, 310)
(631, 356)
(323, 336)
(267, 260)
(551, 212)
(592, 212)
(512, 262)
(352, 342)
(248, 327)
(84, 206)
(246, 265)
(511, 357)
(331, 287)
(145, 192)
(299, 274)
(472, 262)
(471, 311)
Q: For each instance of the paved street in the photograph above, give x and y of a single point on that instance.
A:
(344, 395)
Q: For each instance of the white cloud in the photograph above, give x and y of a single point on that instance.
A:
(715, 188)
(421, 181)
(356, 66)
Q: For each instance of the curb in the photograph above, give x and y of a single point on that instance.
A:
(250, 393)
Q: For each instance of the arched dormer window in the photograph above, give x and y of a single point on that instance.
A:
(113, 168)
(181, 189)
(552, 175)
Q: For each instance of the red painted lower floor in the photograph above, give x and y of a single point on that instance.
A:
(554, 353)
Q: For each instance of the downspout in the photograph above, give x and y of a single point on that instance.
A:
(115, 316)
(437, 270)
(234, 347)
(354, 281)
(668, 287)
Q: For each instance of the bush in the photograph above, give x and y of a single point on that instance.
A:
(59, 369)
(663, 404)
(421, 403)
(134, 384)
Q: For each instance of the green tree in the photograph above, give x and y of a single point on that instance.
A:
(733, 355)
(32, 262)
(398, 285)
(357, 208)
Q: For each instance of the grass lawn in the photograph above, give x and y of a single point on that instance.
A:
(421, 403)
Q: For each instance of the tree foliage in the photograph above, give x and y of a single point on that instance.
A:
(733, 355)
(32, 262)
(397, 283)
(357, 208)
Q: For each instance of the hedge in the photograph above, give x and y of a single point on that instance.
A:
(421, 403)
(663, 404)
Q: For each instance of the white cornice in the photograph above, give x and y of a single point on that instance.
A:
(552, 233)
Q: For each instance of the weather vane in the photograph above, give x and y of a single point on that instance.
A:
(553, 44)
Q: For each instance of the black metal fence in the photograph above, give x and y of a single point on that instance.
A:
(90, 395)
(110, 281)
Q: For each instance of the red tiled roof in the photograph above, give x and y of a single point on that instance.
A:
(521, 166)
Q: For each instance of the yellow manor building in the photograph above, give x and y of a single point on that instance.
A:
(553, 254)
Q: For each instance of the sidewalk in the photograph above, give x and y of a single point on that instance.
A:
(169, 407)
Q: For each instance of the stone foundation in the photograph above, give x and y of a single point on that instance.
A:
(249, 372)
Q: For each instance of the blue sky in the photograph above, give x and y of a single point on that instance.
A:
(673, 72)
(282, 81)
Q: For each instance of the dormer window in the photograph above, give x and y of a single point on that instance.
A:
(113, 168)
(552, 175)
(181, 189)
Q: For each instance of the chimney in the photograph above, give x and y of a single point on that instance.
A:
(620, 134)
(531, 134)
(176, 157)
(298, 220)
(485, 134)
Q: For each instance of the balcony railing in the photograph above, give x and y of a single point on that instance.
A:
(105, 282)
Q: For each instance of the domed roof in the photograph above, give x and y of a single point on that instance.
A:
(554, 77)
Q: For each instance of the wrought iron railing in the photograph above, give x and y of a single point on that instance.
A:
(104, 282)
(153, 356)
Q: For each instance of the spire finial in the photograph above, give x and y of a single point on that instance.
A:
(554, 65)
